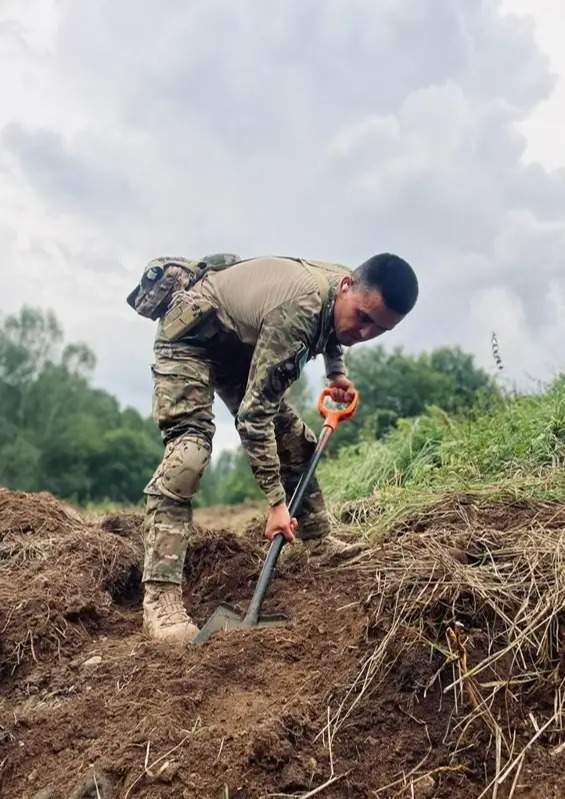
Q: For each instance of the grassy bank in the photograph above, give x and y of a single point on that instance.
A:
(514, 447)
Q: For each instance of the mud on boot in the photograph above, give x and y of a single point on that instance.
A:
(324, 551)
(330, 549)
(164, 615)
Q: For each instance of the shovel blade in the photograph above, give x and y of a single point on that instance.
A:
(225, 617)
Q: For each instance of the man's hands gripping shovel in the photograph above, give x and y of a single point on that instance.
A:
(280, 521)
(281, 524)
(340, 390)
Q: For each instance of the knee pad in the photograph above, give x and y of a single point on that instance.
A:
(178, 475)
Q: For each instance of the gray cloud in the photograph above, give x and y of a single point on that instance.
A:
(66, 177)
(329, 128)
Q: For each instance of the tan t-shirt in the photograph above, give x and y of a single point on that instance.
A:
(245, 294)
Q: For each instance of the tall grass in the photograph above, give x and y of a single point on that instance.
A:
(514, 443)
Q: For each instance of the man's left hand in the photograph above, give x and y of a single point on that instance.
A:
(342, 388)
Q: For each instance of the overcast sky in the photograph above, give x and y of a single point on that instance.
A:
(327, 128)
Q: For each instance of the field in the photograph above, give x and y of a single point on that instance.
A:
(431, 666)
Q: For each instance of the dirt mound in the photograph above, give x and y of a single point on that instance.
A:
(127, 525)
(458, 511)
(353, 698)
(34, 514)
(60, 578)
(471, 511)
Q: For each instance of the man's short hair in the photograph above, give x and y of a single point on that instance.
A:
(393, 277)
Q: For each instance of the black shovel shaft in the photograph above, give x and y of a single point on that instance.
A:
(252, 615)
(304, 481)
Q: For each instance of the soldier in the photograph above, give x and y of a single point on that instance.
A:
(246, 333)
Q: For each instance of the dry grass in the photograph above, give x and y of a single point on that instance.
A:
(480, 586)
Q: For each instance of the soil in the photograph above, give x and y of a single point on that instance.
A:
(89, 708)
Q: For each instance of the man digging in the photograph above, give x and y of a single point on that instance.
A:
(246, 333)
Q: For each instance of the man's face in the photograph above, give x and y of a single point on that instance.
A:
(361, 315)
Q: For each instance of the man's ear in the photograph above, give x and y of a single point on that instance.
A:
(346, 283)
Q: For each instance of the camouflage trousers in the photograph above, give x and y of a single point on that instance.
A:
(185, 379)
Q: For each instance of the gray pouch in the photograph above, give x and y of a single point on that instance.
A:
(163, 277)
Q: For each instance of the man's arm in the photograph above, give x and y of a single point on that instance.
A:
(281, 351)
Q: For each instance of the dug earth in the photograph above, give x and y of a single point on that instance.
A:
(349, 699)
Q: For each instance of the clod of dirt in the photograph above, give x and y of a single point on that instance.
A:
(95, 785)
(424, 787)
(127, 525)
(92, 662)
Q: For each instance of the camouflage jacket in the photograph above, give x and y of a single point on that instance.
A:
(283, 307)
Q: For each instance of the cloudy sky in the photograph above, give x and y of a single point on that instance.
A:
(328, 128)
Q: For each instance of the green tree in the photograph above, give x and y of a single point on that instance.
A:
(123, 463)
(57, 432)
(228, 481)
(395, 385)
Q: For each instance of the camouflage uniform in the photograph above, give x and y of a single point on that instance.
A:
(268, 319)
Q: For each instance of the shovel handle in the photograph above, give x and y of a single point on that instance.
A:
(252, 615)
(333, 416)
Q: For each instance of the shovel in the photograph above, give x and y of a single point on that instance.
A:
(226, 617)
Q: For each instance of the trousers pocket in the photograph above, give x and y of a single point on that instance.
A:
(182, 389)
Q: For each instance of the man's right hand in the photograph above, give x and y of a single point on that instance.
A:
(279, 521)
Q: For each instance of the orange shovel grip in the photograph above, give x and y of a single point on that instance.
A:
(333, 416)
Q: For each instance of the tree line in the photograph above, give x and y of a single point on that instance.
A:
(57, 432)
(60, 434)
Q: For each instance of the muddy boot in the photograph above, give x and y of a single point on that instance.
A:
(164, 615)
(326, 551)
(330, 549)
(311, 527)
(320, 545)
